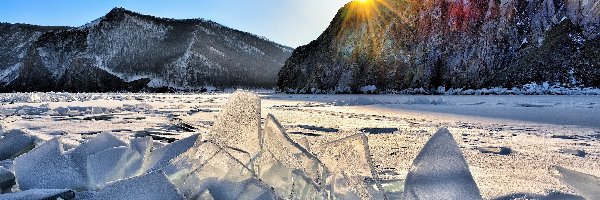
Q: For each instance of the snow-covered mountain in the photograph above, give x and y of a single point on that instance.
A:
(395, 45)
(125, 50)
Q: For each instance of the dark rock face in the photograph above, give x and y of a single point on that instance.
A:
(396, 45)
(128, 51)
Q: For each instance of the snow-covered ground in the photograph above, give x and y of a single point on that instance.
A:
(509, 142)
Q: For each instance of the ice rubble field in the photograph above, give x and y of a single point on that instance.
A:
(277, 146)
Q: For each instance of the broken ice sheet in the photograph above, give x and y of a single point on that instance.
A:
(47, 167)
(7, 179)
(98, 143)
(113, 164)
(585, 185)
(154, 185)
(238, 126)
(286, 166)
(14, 143)
(440, 172)
(208, 167)
(353, 175)
(160, 157)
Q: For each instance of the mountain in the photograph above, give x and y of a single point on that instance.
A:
(401, 44)
(128, 51)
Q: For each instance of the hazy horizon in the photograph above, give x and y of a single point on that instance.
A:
(291, 23)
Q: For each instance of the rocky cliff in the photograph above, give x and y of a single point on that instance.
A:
(400, 44)
(125, 50)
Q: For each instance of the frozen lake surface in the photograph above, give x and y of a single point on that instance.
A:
(509, 142)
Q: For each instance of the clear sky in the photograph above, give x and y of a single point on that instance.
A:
(289, 22)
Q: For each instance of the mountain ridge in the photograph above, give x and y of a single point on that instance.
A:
(125, 50)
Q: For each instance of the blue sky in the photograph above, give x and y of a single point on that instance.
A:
(289, 22)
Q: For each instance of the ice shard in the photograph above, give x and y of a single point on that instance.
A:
(39, 194)
(151, 186)
(352, 173)
(113, 164)
(98, 143)
(237, 127)
(440, 172)
(208, 167)
(47, 167)
(142, 145)
(7, 179)
(287, 167)
(585, 185)
(14, 143)
(160, 157)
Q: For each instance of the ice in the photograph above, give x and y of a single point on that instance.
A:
(98, 143)
(426, 101)
(206, 196)
(208, 167)
(47, 167)
(31, 110)
(440, 172)
(2, 129)
(7, 179)
(287, 167)
(39, 194)
(357, 101)
(79, 110)
(137, 107)
(585, 185)
(142, 145)
(113, 164)
(353, 175)
(163, 155)
(154, 185)
(238, 126)
(14, 143)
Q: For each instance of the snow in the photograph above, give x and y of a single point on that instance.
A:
(154, 185)
(584, 184)
(47, 167)
(368, 89)
(440, 172)
(14, 143)
(39, 194)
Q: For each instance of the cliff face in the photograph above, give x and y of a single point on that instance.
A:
(128, 51)
(396, 45)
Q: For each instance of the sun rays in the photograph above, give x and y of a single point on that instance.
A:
(362, 28)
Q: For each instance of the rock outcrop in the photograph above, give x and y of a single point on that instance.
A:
(396, 45)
